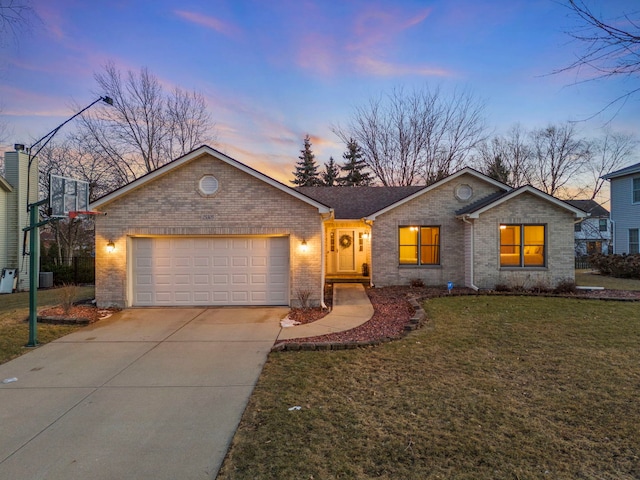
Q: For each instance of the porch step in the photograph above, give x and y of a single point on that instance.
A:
(354, 279)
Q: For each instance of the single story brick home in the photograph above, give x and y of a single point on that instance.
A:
(206, 229)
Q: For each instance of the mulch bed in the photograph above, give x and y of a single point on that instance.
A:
(77, 315)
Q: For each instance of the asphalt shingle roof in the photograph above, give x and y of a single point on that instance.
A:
(358, 202)
(590, 206)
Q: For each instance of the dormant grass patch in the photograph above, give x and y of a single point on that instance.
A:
(494, 388)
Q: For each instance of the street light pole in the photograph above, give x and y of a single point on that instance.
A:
(34, 226)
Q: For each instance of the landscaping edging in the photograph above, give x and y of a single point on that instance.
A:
(415, 322)
(419, 319)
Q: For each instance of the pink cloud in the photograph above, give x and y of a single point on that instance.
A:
(373, 66)
(212, 23)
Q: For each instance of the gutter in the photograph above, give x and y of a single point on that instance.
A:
(465, 219)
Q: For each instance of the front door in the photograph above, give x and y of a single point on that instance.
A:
(346, 250)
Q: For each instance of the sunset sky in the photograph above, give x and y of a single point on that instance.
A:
(274, 71)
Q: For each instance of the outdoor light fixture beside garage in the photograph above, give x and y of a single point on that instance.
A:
(111, 247)
(304, 248)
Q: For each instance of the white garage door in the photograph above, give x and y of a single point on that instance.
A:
(210, 271)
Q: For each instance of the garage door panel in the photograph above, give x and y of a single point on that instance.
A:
(210, 271)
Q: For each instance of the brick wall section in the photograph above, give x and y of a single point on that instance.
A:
(525, 208)
(172, 205)
(435, 207)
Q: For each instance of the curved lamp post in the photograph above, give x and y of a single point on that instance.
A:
(34, 225)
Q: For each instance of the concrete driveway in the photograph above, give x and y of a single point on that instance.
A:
(146, 394)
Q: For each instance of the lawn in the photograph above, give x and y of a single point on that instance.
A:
(494, 388)
(14, 329)
(587, 278)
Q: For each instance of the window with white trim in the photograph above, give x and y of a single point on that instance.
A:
(522, 245)
(634, 240)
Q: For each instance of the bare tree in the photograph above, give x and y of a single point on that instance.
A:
(14, 15)
(145, 128)
(415, 136)
(609, 153)
(514, 152)
(557, 157)
(611, 48)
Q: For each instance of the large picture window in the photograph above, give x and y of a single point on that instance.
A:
(522, 245)
(419, 245)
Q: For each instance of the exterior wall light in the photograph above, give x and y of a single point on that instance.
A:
(365, 235)
(304, 248)
(111, 247)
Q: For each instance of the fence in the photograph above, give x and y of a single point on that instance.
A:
(582, 263)
(81, 270)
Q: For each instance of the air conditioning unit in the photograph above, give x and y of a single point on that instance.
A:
(46, 279)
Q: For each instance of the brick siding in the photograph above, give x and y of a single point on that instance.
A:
(172, 205)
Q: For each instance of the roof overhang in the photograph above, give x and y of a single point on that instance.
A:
(630, 170)
(459, 173)
(519, 191)
(193, 155)
(5, 185)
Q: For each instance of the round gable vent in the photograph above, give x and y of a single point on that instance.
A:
(464, 192)
(208, 185)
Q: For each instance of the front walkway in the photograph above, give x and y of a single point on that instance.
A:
(351, 308)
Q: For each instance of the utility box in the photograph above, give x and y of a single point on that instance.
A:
(46, 279)
(8, 280)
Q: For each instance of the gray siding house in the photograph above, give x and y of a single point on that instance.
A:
(625, 209)
(593, 234)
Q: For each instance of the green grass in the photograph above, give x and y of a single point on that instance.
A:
(14, 329)
(497, 388)
(586, 278)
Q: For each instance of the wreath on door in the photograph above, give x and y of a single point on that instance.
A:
(345, 241)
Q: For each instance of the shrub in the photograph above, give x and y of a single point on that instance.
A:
(416, 283)
(540, 287)
(565, 286)
(68, 294)
(502, 287)
(303, 296)
(620, 266)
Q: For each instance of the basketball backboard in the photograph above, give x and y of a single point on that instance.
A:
(67, 195)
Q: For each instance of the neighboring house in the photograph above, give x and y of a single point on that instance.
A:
(13, 212)
(625, 208)
(593, 234)
(206, 229)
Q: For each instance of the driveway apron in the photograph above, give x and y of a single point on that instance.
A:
(146, 394)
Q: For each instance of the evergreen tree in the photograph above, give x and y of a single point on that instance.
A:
(354, 167)
(498, 170)
(306, 174)
(330, 174)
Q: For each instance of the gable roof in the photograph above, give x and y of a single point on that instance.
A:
(464, 171)
(358, 202)
(476, 209)
(590, 206)
(630, 170)
(189, 157)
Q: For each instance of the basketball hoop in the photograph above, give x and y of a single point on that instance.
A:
(74, 214)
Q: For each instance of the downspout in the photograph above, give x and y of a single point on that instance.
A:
(370, 224)
(473, 285)
(323, 255)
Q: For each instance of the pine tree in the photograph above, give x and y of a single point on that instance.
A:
(306, 174)
(330, 174)
(354, 167)
(498, 170)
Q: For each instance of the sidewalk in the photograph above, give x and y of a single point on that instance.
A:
(351, 308)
